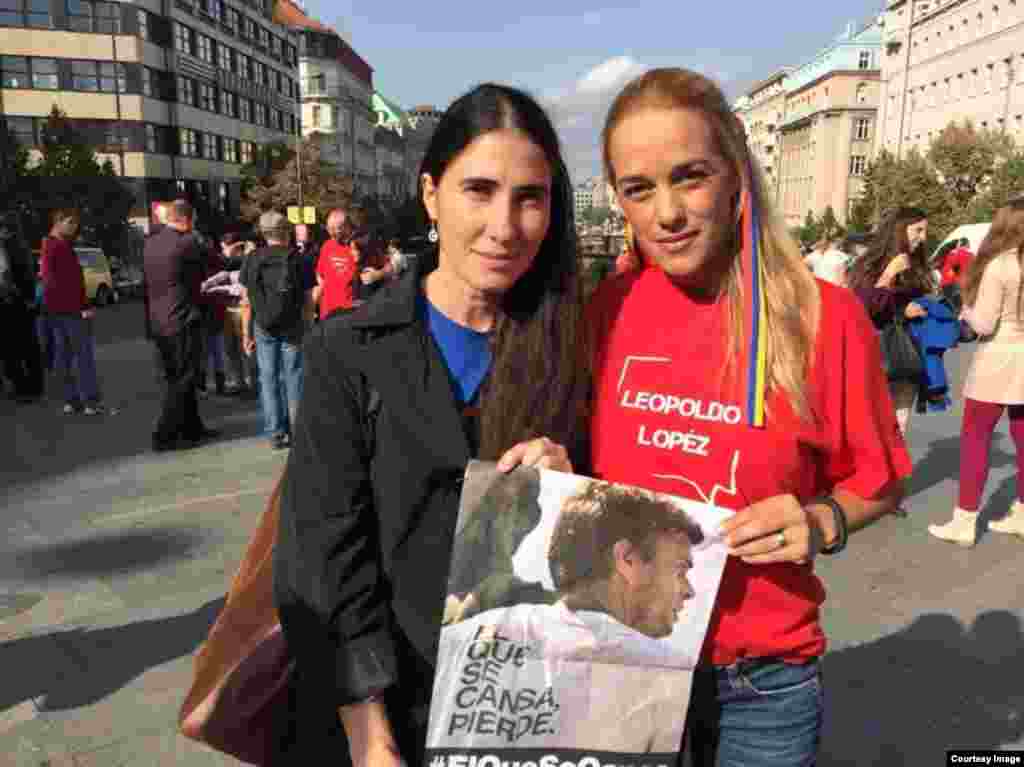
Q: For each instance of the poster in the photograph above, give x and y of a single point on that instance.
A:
(575, 615)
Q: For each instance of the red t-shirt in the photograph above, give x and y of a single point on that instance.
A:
(62, 277)
(336, 268)
(665, 419)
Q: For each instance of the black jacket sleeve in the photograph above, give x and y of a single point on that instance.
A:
(333, 598)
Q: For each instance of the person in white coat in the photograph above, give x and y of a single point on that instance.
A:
(994, 300)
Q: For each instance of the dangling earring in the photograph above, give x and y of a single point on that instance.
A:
(738, 207)
(432, 234)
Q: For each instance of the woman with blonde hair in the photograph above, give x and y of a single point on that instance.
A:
(725, 373)
(994, 301)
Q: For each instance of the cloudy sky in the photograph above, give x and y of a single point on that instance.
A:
(575, 55)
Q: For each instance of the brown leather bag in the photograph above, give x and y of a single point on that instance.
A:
(238, 703)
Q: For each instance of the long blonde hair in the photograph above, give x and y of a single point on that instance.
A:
(1007, 233)
(791, 293)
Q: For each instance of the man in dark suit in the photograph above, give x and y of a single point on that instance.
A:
(174, 268)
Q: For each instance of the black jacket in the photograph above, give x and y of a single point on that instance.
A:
(174, 269)
(366, 530)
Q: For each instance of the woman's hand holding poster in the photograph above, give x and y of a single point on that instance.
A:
(575, 615)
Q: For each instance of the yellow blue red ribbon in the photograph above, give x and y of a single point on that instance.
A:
(755, 304)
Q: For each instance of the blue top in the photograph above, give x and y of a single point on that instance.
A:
(466, 352)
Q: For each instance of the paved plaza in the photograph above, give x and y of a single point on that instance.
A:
(114, 560)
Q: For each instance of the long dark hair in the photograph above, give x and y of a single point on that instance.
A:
(540, 379)
(1007, 233)
(891, 240)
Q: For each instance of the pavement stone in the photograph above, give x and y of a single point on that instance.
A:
(113, 561)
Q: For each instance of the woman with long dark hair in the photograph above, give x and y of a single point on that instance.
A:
(994, 301)
(889, 277)
(726, 374)
(477, 352)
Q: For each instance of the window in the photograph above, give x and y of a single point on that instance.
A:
(257, 71)
(280, 81)
(184, 40)
(85, 76)
(231, 18)
(227, 104)
(14, 72)
(261, 114)
(209, 146)
(858, 164)
(277, 119)
(862, 93)
(245, 152)
(205, 48)
(264, 37)
(91, 16)
(217, 9)
(113, 78)
(143, 24)
(244, 109)
(230, 147)
(989, 78)
(224, 57)
(207, 97)
(151, 140)
(862, 128)
(275, 46)
(187, 142)
(23, 130)
(186, 91)
(864, 62)
(250, 29)
(316, 116)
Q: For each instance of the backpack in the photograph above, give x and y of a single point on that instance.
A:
(279, 287)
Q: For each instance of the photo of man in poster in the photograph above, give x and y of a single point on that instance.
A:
(594, 671)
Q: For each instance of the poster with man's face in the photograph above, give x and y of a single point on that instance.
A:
(575, 616)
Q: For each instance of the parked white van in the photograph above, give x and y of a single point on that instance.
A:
(969, 236)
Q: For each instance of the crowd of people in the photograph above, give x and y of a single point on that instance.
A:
(242, 313)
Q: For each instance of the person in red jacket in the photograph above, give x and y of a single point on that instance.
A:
(803, 445)
(69, 315)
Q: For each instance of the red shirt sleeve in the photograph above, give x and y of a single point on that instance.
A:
(865, 449)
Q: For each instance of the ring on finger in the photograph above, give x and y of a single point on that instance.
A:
(780, 539)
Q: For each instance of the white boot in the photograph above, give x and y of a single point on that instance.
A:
(1012, 522)
(963, 529)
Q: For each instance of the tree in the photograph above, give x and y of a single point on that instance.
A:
(810, 232)
(68, 174)
(910, 181)
(595, 216)
(829, 224)
(1007, 181)
(965, 158)
(272, 182)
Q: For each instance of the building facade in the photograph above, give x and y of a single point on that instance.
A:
(422, 121)
(946, 60)
(394, 179)
(178, 95)
(761, 109)
(337, 98)
(827, 132)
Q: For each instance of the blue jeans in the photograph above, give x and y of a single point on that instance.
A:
(74, 351)
(755, 713)
(280, 363)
